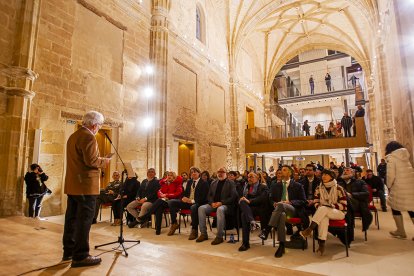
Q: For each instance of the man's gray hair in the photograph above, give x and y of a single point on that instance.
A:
(92, 118)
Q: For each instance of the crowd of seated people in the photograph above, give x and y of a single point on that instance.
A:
(313, 194)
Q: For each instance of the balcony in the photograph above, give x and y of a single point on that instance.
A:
(340, 87)
(275, 139)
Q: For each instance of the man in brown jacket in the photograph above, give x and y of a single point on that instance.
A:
(82, 187)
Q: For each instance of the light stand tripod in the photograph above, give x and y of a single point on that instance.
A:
(121, 239)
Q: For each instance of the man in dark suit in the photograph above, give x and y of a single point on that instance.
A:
(358, 194)
(221, 198)
(254, 202)
(346, 123)
(309, 183)
(146, 196)
(194, 196)
(82, 188)
(288, 198)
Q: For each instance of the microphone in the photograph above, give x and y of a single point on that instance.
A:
(110, 141)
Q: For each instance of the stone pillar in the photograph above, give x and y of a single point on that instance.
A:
(157, 143)
(16, 93)
(234, 123)
(347, 157)
(387, 132)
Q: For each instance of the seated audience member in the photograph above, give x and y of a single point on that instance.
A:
(128, 192)
(309, 183)
(232, 175)
(355, 167)
(288, 199)
(109, 195)
(184, 176)
(254, 202)
(332, 130)
(377, 186)
(339, 129)
(221, 198)
(358, 194)
(302, 173)
(205, 176)
(194, 196)
(341, 169)
(330, 203)
(171, 187)
(319, 132)
(146, 196)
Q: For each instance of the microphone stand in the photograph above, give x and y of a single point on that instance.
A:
(121, 239)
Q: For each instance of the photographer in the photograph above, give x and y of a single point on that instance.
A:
(35, 189)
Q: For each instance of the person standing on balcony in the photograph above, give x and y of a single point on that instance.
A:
(346, 123)
(328, 82)
(359, 113)
(312, 86)
(353, 80)
(306, 128)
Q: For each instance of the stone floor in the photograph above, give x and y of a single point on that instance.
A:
(29, 244)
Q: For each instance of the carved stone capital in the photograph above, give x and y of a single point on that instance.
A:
(16, 72)
(16, 91)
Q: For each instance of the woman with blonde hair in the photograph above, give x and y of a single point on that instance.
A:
(171, 188)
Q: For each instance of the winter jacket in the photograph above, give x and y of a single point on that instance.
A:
(400, 180)
(35, 184)
(172, 190)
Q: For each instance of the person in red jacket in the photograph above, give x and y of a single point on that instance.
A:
(171, 188)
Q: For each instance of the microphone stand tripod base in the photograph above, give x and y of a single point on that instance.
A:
(121, 239)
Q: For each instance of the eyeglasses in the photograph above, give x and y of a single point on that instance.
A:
(221, 172)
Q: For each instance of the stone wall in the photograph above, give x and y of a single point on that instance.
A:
(90, 56)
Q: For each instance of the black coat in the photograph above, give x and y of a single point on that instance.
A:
(240, 184)
(33, 187)
(130, 188)
(375, 182)
(228, 193)
(346, 122)
(382, 170)
(149, 190)
(358, 189)
(261, 198)
(200, 193)
(296, 195)
(305, 183)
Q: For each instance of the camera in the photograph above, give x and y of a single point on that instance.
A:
(39, 169)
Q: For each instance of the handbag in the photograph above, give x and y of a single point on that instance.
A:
(297, 242)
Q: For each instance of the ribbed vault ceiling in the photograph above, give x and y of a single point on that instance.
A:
(278, 30)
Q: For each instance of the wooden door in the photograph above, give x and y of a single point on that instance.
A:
(249, 118)
(185, 157)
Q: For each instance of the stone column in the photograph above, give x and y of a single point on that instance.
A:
(384, 102)
(234, 124)
(15, 92)
(157, 153)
